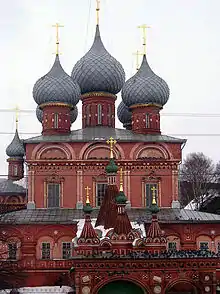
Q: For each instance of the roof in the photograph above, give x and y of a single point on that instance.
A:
(70, 216)
(10, 187)
(100, 133)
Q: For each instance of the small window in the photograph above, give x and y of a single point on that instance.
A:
(66, 250)
(150, 189)
(100, 192)
(99, 114)
(12, 251)
(147, 120)
(171, 246)
(15, 170)
(87, 115)
(204, 245)
(56, 120)
(109, 115)
(45, 250)
(53, 195)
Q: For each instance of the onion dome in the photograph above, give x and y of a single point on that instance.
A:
(87, 208)
(16, 148)
(111, 167)
(73, 114)
(98, 70)
(154, 208)
(39, 114)
(145, 87)
(56, 86)
(121, 198)
(124, 114)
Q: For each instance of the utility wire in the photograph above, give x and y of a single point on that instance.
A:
(187, 114)
(100, 139)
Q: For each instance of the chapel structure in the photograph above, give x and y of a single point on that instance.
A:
(81, 224)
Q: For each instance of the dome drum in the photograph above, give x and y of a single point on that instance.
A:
(98, 110)
(146, 120)
(56, 119)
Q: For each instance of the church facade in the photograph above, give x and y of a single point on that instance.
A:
(136, 237)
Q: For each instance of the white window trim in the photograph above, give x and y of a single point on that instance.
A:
(71, 247)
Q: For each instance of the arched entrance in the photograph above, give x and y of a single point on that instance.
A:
(182, 287)
(121, 287)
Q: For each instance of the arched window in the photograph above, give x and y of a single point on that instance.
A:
(109, 115)
(147, 120)
(87, 115)
(15, 170)
(56, 120)
(99, 114)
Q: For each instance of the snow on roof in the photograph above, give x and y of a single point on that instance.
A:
(40, 290)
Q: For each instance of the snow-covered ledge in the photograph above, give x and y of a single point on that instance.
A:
(41, 290)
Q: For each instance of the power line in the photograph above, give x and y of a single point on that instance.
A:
(172, 135)
(183, 114)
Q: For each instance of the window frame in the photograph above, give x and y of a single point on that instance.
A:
(203, 242)
(14, 255)
(173, 248)
(56, 120)
(96, 194)
(47, 250)
(66, 249)
(99, 114)
(148, 200)
(49, 198)
(147, 121)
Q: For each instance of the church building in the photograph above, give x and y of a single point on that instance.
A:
(100, 213)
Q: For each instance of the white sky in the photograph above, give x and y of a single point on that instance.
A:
(183, 48)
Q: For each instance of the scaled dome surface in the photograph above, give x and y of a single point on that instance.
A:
(145, 87)
(73, 114)
(98, 71)
(56, 86)
(124, 114)
(16, 147)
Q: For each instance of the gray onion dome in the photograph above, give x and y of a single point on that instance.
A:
(39, 114)
(124, 114)
(16, 148)
(98, 71)
(56, 86)
(145, 87)
(73, 114)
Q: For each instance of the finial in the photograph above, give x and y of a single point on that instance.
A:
(144, 27)
(121, 180)
(97, 11)
(111, 143)
(57, 26)
(87, 195)
(137, 54)
(154, 189)
(16, 116)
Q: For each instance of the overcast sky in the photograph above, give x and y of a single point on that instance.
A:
(183, 47)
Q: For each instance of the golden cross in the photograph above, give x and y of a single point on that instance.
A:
(57, 26)
(121, 180)
(87, 194)
(111, 142)
(137, 54)
(154, 189)
(16, 109)
(144, 27)
(97, 11)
